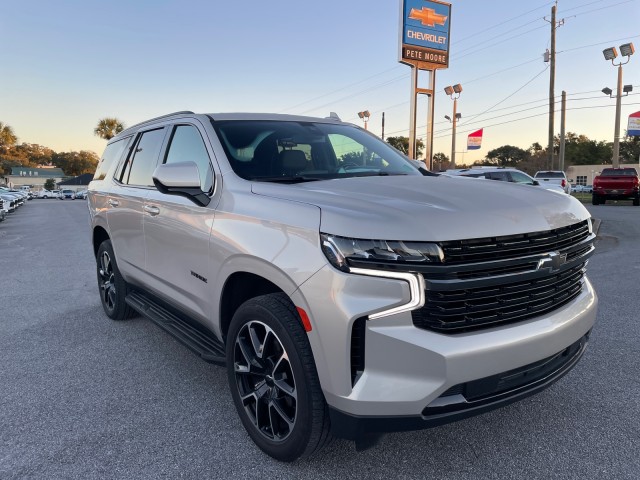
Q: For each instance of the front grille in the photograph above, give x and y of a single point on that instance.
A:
(512, 246)
(470, 308)
(488, 282)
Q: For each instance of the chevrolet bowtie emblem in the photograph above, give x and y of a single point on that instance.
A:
(554, 261)
(428, 17)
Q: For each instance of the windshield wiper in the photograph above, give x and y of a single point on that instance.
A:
(286, 179)
(376, 174)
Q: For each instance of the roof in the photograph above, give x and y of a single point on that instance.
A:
(37, 172)
(332, 118)
(83, 179)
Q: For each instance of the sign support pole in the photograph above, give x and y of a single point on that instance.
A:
(413, 112)
(430, 116)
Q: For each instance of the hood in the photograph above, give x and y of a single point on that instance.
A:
(429, 208)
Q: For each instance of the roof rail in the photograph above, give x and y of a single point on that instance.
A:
(182, 112)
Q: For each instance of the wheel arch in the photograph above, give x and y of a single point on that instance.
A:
(239, 287)
(99, 235)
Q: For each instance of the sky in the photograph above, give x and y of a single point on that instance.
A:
(66, 64)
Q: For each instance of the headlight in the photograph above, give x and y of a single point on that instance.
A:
(339, 250)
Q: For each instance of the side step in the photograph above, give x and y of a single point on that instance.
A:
(208, 347)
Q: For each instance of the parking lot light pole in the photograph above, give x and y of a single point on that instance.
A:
(454, 92)
(365, 115)
(611, 53)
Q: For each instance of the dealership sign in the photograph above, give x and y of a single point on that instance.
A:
(633, 127)
(424, 34)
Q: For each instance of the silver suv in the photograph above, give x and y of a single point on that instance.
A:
(347, 293)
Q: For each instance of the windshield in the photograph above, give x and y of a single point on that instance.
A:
(549, 174)
(283, 151)
(616, 172)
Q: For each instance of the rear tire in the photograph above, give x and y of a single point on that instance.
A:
(273, 379)
(636, 202)
(113, 288)
(594, 199)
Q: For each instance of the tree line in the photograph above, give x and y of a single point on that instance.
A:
(74, 163)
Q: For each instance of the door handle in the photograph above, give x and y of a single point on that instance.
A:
(113, 203)
(151, 210)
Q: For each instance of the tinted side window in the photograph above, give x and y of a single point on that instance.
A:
(187, 146)
(502, 176)
(145, 158)
(521, 178)
(111, 154)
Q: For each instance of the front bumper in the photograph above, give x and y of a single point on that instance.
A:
(466, 400)
(406, 368)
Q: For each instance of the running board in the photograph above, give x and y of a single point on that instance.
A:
(208, 347)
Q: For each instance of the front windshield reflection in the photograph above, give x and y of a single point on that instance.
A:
(286, 151)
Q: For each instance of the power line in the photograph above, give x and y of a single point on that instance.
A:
(389, 82)
(599, 43)
(537, 115)
(499, 35)
(474, 35)
(598, 9)
(540, 106)
(341, 89)
(497, 43)
(523, 104)
(509, 96)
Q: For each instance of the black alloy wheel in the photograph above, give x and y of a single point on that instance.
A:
(273, 379)
(112, 287)
(265, 381)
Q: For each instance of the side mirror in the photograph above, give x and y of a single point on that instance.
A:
(536, 182)
(181, 179)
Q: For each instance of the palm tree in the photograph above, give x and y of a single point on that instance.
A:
(7, 137)
(108, 128)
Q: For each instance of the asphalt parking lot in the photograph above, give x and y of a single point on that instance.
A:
(85, 397)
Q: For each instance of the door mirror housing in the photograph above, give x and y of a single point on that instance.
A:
(536, 182)
(183, 179)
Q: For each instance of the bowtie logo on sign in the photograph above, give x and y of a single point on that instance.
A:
(428, 17)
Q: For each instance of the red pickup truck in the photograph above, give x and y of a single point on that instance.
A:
(616, 184)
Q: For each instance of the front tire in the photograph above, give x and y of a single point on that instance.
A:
(273, 379)
(113, 288)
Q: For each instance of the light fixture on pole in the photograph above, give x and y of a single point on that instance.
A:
(365, 115)
(611, 53)
(454, 92)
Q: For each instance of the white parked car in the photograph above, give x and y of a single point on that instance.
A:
(48, 193)
(554, 177)
(504, 174)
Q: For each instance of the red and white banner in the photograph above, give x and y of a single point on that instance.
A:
(474, 140)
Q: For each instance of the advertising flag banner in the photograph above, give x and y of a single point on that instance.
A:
(474, 140)
(633, 127)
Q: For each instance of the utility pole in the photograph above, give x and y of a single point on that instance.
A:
(562, 125)
(382, 125)
(552, 81)
(616, 134)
